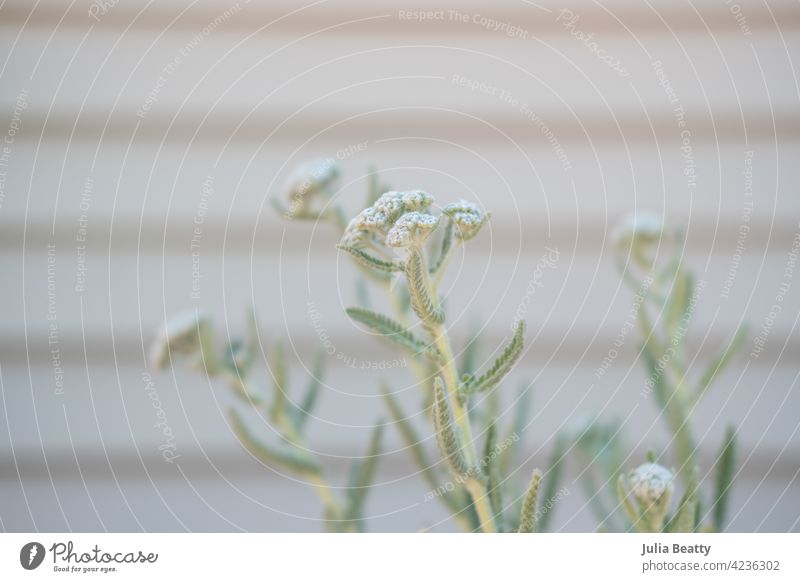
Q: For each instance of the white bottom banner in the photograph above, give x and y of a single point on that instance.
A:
(406, 557)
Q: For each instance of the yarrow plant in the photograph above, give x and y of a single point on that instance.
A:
(400, 223)
(650, 262)
(402, 243)
(190, 336)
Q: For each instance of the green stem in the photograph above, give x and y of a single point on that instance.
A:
(476, 490)
(476, 487)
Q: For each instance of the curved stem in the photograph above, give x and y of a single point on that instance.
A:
(478, 493)
(440, 339)
(476, 488)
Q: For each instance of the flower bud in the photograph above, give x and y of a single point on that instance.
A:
(652, 486)
(308, 181)
(378, 219)
(182, 335)
(467, 217)
(637, 234)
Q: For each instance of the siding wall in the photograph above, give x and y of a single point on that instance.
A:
(124, 117)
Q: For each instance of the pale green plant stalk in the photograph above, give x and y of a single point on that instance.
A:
(432, 356)
(671, 292)
(402, 221)
(387, 241)
(311, 189)
(191, 336)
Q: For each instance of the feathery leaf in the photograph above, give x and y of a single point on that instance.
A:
(720, 362)
(490, 464)
(418, 286)
(446, 435)
(554, 472)
(280, 385)
(624, 498)
(456, 500)
(685, 516)
(726, 466)
(501, 366)
(362, 472)
(286, 458)
(373, 262)
(312, 392)
(679, 301)
(527, 519)
(392, 330)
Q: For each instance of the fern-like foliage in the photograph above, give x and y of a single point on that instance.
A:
(393, 331)
(371, 261)
(288, 458)
(446, 435)
(421, 302)
(501, 366)
(361, 475)
(527, 518)
(684, 520)
(726, 468)
(493, 484)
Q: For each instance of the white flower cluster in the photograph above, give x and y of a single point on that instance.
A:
(467, 217)
(410, 228)
(651, 484)
(377, 220)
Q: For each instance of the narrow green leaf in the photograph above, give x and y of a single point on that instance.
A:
(655, 376)
(371, 261)
(678, 302)
(239, 387)
(393, 331)
(528, 518)
(725, 470)
(418, 285)
(684, 519)
(446, 435)
(456, 500)
(625, 500)
(362, 473)
(493, 485)
(279, 380)
(312, 392)
(553, 479)
(719, 363)
(287, 458)
(522, 409)
(501, 366)
(469, 355)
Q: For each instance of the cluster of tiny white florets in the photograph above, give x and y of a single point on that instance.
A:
(467, 217)
(310, 180)
(411, 227)
(651, 484)
(378, 219)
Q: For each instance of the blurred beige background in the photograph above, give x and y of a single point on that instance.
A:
(124, 123)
